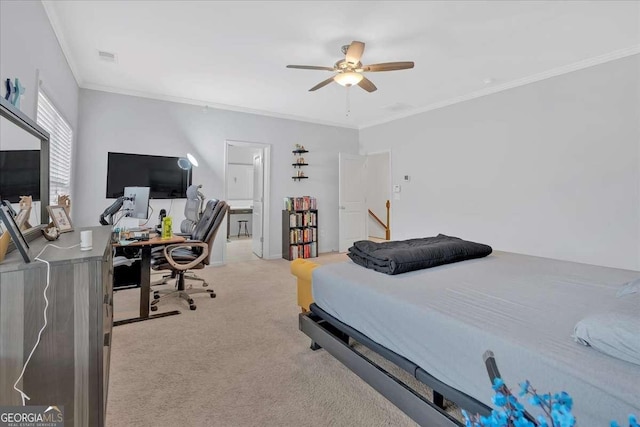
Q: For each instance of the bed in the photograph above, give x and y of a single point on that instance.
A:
(437, 324)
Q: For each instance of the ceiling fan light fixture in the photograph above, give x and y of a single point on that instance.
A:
(348, 78)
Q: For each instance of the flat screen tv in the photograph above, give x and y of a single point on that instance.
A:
(19, 174)
(161, 174)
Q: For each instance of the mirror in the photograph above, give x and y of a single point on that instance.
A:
(20, 173)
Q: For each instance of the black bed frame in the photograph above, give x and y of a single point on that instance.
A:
(331, 334)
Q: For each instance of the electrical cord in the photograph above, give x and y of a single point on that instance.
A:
(23, 395)
(148, 216)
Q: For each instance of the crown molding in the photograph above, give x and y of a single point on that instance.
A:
(214, 105)
(611, 56)
(50, 10)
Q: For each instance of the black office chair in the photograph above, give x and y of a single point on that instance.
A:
(192, 214)
(191, 255)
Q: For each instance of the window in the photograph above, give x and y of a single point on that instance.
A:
(60, 147)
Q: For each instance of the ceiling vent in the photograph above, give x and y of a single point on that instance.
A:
(107, 56)
(399, 106)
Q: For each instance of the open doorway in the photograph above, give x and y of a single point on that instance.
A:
(364, 198)
(246, 188)
(378, 179)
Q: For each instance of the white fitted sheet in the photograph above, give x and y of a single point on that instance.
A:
(523, 308)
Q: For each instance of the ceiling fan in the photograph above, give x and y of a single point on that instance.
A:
(349, 70)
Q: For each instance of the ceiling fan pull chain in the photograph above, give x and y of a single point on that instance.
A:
(348, 101)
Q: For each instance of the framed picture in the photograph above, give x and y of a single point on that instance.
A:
(60, 218)
(15, 233)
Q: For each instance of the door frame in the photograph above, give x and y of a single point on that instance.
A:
(389, 190)
(266, 190)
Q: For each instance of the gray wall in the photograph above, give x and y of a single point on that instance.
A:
(27, 44)
(111, 122)
(549, 169)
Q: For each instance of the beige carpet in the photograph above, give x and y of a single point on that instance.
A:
(238, 360)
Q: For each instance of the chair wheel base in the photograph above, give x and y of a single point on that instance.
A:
(154, 308)
(192, 307)
(211, 293)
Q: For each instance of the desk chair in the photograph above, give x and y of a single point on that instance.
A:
(192, 214)
(192, 210)
(190, 255)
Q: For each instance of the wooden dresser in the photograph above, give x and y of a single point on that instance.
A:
(70, 367)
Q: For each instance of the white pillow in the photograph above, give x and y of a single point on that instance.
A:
(615, 334)
(629, 288)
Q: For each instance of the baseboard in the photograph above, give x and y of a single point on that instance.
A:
(217, 264)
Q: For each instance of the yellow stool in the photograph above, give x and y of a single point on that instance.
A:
(303, 271)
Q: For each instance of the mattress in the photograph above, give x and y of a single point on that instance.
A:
(523, 308)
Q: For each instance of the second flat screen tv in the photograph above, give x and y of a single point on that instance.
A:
(162, 174)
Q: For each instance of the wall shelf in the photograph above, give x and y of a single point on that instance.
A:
(299, 163)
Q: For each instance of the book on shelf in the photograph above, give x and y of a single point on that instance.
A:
(303, 203)
(303, 219)
(308, 250)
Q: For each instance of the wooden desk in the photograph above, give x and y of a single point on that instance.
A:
(145, 277)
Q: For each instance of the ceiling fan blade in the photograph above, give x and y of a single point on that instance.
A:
(311, 67)
(388, 66)
(367, 85)
(321, 84)
(354, 53)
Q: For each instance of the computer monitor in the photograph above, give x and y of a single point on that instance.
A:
(136, 202)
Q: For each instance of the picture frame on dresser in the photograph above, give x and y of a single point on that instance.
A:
(14, 231)
(60, 218)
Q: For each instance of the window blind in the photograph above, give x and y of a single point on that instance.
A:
(60, 147)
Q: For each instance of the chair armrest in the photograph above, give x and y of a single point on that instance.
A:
(182, 234)
(186, 266)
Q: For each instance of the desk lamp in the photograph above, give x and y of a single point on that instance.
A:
(187, 164)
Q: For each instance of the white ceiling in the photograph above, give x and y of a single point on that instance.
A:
(233, 54)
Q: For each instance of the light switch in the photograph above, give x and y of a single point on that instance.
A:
(396, 188)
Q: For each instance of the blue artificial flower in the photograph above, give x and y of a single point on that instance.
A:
(542, 421)
(499, 399)
(535, 400)
(522, 422)
(467, 421)
(510, 411)
(565, 400)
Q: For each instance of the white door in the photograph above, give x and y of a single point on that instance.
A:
(258, 191)
(351, 200)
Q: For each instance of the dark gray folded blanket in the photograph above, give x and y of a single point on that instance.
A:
(414, 254)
